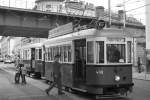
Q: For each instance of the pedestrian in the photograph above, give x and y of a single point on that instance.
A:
(56, 76)
(19, 71)
(139, 64)
(23, 69)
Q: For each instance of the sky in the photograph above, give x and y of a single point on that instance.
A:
(138, 13)
(129, 5)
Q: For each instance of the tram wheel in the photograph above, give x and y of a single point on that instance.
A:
(28, 74)
(67, 89)
(46, 81)
(96, 97)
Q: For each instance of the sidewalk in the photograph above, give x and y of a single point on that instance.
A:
(141, 76)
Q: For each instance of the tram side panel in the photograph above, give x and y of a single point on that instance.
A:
(48, 71)
(67, 79)
(107, 78)
(27, 64)
(67, 75)
(38, 68)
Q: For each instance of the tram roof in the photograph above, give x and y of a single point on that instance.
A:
(106, 32)
(35, 45)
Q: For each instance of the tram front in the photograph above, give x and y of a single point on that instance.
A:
(109, 65)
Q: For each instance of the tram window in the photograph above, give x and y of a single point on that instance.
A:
(90, 52)
(46, 54)
(50, 53)
(69, 53)
(53, 53)
(25, 54)
(57, 50)
(129, 51)
(99, 52)
(36, 53)
(40, 53)
(29, 54)
(116, 53)
(48, 58)
(61, 52)
(65, 54)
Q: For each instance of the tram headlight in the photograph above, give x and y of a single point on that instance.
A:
(99, 72)
(117, 78)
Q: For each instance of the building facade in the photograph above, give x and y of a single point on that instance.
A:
(7, 46)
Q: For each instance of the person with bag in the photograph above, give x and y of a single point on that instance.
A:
(19, 71)
(17, 75)
(56, 76)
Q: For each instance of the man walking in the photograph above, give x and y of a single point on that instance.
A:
(139, 64)
(56, 76)
(23, 69)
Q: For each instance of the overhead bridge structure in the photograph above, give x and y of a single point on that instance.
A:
(32, 23)
(19, 22)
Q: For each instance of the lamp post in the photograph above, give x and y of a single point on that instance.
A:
(9, 3)
(109, 12)
(124, 15)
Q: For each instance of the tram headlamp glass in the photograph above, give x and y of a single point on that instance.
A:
(99, 72)
(117, 78)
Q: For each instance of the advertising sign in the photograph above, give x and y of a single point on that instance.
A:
(61, 30)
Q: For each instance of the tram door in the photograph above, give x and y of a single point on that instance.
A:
(32, 58)
(80, 60)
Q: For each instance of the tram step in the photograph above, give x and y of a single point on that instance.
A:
(82, 90)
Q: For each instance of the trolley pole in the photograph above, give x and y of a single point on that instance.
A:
(109, 12)
(124, 15)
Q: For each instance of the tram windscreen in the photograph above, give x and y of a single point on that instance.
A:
(116, 53)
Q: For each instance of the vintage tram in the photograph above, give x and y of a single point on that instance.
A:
(31, 56)
(93, 61)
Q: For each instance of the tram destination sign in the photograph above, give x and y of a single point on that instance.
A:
(61, 30)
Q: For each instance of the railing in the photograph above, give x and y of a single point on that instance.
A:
(30, 4)
(25, 4)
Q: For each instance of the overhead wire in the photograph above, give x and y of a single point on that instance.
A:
(137, 8)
